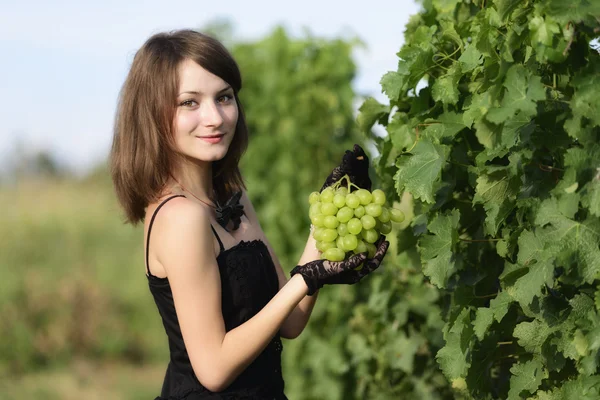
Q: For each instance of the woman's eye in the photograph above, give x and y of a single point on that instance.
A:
(187, 103)
(226, 98)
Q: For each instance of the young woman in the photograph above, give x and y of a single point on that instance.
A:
(219, 288)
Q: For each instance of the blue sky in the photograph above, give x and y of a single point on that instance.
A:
(64, 61)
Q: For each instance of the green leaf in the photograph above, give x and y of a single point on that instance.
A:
(526, 377)
(401, 135)
(470, 58)
(393, 84)
(477, 107)
(591, 199)
(496, 311)
(453, 357)
(505, 7)
(523, 91)
(497, 192)
(445, 88)
(370, 112)
(421, 170)
(532, 335)
(579, 239)
(530, 285)
(573, 11)
(436, 248)
(543, 30)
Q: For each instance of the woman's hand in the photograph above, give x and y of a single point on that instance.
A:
(350, 277)
(355, 164)
(317, 273)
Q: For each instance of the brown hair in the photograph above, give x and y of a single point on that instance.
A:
(143, 150)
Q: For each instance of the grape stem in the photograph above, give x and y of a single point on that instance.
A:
(349, 186)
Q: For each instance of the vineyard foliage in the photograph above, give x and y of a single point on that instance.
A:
(493, 128)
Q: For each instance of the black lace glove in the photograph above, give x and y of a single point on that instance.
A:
(355, 164)
(315, 273)
(353, 276)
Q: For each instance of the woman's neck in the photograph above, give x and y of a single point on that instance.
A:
(196, 179)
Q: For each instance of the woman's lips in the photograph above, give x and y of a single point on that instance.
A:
(212, 138)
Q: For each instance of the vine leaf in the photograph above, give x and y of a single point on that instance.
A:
(527, 377)
(436, 249)
(580, 240)
(454, 358)
(419, 172)
(486, 315)
(523, 91)
(497, 192)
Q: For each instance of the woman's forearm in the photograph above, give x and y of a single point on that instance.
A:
(243, 344)
(297, 320)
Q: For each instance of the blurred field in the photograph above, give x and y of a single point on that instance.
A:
(87, 381)
(73, 288)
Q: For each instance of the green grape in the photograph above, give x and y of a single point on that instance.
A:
(365, 196)
(368, 222)
(327, 195)
(344, 214)
(350, 242)
(352, 200)
(329, 235)
(386, 227)
(334, 254)
(369, 235)
(354, 226)
(378, 224)
(327, 245)
(317, 234)
(330, 221)
(342, 190)
(373, 210)
(371, 250)
(314, 209)
(396, 215)
(313, 198)
(318, 220)
(339, 200)
(361, 247)
(318, 245)
(378, 197)
(385, 215)
(339, 243)
(328, 209)
(342, 229)
(359, 211)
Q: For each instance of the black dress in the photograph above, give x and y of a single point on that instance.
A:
(248, 283)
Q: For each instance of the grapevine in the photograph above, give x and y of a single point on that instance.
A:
(504, 187)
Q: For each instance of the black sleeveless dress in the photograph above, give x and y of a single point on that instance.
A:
(248, 283)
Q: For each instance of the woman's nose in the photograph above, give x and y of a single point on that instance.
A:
(210, 114)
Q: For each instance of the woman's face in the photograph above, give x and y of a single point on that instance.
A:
(206, 115)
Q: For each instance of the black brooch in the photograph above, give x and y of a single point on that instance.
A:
(231, 211)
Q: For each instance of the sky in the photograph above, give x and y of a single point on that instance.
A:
(63, 62)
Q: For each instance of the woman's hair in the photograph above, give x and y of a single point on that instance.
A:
(143, 150)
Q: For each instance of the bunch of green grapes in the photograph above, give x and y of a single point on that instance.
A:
(349, 222)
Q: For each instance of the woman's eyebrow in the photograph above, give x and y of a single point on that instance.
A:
(196, 92)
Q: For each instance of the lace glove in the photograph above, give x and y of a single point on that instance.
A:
(355, 164)
(350, 277)
(315, 273)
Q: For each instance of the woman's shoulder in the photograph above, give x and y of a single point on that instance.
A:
(178, 212)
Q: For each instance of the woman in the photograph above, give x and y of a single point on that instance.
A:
(219, 288)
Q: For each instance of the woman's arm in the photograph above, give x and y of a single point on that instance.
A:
(297, 320)
(184, 246)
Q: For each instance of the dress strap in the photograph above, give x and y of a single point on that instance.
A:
(218, 238)
(150, 229)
